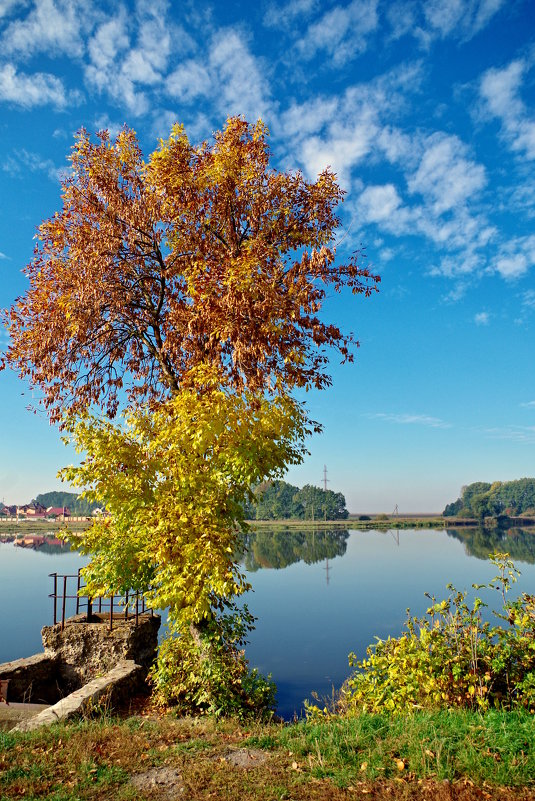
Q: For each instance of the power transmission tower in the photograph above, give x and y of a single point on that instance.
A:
(325, 479)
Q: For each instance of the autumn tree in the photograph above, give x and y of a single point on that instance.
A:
(186, 290)
(203, 254)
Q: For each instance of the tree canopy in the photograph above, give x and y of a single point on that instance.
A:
(203, 254)
(278, 500)
(76, 504)
(482, 499)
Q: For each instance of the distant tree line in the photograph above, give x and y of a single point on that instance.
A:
(278, 500)
(77, 506)
(481, 499)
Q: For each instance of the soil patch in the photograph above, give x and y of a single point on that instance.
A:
(246, 758)
(161, 783)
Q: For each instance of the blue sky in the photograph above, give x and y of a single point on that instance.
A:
(425, 110)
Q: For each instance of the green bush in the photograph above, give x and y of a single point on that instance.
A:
(204, 670)
(451, 657)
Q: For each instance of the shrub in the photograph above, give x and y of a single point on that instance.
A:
(451, 657)
(204, 670)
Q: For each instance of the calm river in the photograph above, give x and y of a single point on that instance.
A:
(317, 595)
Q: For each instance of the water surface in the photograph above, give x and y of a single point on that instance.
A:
(317, 596)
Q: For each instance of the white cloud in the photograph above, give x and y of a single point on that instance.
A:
(115, 66)
(443, 16)
(528, 299)
(106, 45)
(22, 161)
(514, 433)
(410, 419)
(515, 257)
(228, 75)
(129, 54)
(396, 145)
(189, 81)
(401, 17)
(286, 14)
(445, 176)
(7, 6)
(39, 89)
(345, 147)
(342, 32)
(460, 19)
(482, 318)
(239, 83)
(499, 88)
(3, 256)
(379, 203)
(500, 93)
(301, 120)
(341, 131)
(528, 404)
(54, 27)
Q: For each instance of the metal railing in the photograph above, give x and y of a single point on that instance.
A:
(129, 606)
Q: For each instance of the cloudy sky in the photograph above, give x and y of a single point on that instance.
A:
(425, 110)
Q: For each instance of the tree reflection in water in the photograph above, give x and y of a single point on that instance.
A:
(519, 543)
(283, 547)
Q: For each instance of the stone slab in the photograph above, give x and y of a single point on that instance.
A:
(123, 679)
(32, 679)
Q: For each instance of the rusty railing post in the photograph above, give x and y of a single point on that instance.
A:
(63, 602)
(78, 593)
(55, 596)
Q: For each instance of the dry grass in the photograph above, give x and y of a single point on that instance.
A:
(97, 759)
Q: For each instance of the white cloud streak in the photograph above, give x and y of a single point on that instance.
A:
(228, 75)
(54, 27)
(410, 419)
(500, 94)
(341, 32)
(286, 14)
(22, 161)
(39, 89)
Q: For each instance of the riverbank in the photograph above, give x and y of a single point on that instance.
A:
(378, 522)
(436, 756)
(387, 522)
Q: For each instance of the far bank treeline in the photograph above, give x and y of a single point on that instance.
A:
(278, 500)
(481, 499)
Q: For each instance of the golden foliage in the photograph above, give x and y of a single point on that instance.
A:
(202, 255)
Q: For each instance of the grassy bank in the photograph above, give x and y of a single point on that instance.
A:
(381, 522)
(25, 527)
(439, 756)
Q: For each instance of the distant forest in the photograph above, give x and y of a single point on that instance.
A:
(277, 500)
(492, 500)
(77, 506)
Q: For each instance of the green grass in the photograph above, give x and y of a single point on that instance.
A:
(497, 748)
(375, 756)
